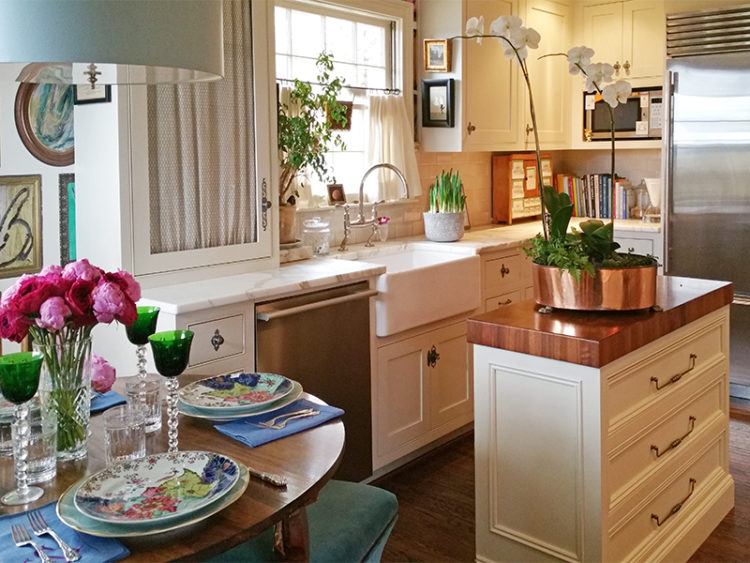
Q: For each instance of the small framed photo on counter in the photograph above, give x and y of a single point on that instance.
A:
(437, 103)
(437, 55)
(99, 94)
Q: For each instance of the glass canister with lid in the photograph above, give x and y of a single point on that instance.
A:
(316, 233)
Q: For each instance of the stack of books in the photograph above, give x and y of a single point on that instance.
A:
(593, 195)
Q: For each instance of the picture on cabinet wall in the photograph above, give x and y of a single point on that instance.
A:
(67, 190)
(437, 103)
(44, 121)
(437, 55)
(99, 94)
(20, 225)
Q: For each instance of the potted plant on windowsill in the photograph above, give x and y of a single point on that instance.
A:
(444, 222)
(581, 269)
(305, 134)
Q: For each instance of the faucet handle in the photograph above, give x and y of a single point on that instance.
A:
(375, 208)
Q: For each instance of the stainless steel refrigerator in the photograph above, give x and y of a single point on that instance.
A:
(707, 169)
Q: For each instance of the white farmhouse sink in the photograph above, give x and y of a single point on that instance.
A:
(423, 286)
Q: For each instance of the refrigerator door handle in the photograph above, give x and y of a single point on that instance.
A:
(667, 150)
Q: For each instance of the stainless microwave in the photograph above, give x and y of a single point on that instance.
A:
(639, 118)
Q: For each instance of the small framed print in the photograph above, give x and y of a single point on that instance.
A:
(437, 103)
(336, 194)
(437, 55)
(99, 94)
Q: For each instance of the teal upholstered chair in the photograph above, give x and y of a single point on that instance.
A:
(349, 522)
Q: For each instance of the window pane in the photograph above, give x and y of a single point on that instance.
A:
(307, 33)
(283, 66)
(370, 44)
(282, 16)
(374, 77)
(304, 69)
(346, 71)
(340, 39)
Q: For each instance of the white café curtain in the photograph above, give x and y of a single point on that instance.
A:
(391, 140)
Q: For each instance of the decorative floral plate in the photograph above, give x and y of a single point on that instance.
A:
(212, 414)
(72, 517)
(156, 488)
(228, 393)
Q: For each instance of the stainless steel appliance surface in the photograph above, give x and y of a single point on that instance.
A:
(707, 171)
(322, 340)
(639, 118)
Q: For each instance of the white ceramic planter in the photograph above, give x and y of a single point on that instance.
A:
(443, 227)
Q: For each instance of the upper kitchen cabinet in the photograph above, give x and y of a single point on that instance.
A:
(173, 180)
(630, 35)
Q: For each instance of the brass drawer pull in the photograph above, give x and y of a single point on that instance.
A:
(217, 340)
(676, 508)
(504, 270)
(432, 357)
(674, 443)
(506, 302)
(675, 378)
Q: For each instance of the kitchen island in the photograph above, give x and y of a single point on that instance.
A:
(603, 437)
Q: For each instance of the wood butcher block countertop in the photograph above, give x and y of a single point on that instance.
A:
(596, 339)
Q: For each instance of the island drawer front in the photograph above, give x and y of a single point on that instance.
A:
(217, 339)
(503, 300)
(680, 495)
(661, 373)
(635, 460)
(504, 272)
(636, 245)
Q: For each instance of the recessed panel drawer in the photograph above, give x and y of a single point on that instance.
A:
(503, 300)
(501, 273)
(636, 245)
(217, 339)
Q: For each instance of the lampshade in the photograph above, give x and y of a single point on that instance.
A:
(129, 41)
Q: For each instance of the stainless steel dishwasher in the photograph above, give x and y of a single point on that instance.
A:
(322, 339)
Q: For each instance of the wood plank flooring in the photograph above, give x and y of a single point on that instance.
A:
(436, 505)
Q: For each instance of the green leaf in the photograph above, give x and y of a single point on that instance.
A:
(560, 209)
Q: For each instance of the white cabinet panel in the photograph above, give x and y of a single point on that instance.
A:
(602, 31)
(451, 383)
(643, 38)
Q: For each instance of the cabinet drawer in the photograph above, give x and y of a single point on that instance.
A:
(638, 245)
(637, 459)
(217, 339)
(502, 300)
(503, 272)
(688, 487)
(663, 372)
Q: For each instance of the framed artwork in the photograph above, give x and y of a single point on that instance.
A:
(336, 194)
(44, 120)
(437, 55)
(67, 191)
(99, 94)
(437, 103)
(20, 225)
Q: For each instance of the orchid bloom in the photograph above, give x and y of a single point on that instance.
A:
(617, 93)
(524, 37)
(505, 25)
(579, 57)
(598, 74)
(475, 28)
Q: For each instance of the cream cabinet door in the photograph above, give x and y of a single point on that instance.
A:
(643, 38)
(549, 77)
(602, 31)
(402, 396)
(451, 383)
(491, 84)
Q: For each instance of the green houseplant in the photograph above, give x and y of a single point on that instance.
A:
(306, 127)
(444, 222)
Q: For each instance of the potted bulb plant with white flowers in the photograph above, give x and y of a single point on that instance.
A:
(580, 269)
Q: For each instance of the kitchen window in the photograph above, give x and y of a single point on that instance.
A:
(363, 48)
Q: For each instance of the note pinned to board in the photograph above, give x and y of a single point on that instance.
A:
(644, 100)
(589, 102)
(641, 127)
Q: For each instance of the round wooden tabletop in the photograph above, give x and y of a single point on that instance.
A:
(308, 461)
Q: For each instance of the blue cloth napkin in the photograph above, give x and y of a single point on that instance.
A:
(103, 401)
(247, 431)
(91, 548)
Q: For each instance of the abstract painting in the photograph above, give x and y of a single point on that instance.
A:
(44, 120)
(67, 186)
(20, 225)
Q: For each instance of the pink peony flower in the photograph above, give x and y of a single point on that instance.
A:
(53, 314)
(13, 325)
(53, 269)
(31, 293)
(126, 282)
(81, 270)
(111, 303)
(10, 293)
(102, 374)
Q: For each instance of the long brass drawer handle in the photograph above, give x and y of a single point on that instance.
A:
(676, 442)
(676, 508)
(675, 378)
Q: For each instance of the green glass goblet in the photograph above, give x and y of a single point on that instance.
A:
(19, 381)
(171, 351)
(138, 333)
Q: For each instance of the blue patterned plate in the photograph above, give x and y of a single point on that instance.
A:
(235, 392)
(156, 488)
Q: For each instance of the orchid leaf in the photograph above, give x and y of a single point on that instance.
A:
(560, 209)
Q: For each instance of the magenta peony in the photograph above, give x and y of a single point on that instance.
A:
(53, 313)
(102, 374)
(13, 325)
(126, 282)
(78, 298)
(81, 270)
(31, 293)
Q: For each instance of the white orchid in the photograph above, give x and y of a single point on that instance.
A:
(598, 74)
(617, 93)
(505, 25)
(579, 57)
(523, 38)
(475, 27)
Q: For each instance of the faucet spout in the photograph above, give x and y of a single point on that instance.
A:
(362, 185)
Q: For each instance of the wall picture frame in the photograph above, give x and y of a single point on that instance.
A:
(99, 94)
(20, 225)
(67, 195)
(437, 55)
(44, 121)
(438, 103)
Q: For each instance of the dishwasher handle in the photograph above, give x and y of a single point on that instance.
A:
(271, 315)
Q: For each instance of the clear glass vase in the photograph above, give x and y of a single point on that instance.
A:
(65, 387)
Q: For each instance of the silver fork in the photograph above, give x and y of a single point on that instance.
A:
(21, 538)
(272, 422)
(40, 527)
(286, 421)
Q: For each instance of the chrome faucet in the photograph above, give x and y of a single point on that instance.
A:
(373, 221)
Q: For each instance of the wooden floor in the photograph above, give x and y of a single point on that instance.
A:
(436, 505)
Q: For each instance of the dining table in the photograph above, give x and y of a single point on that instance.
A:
(307, 460)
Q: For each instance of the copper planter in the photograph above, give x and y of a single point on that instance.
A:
(611, 289)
